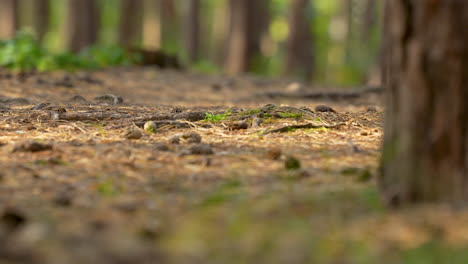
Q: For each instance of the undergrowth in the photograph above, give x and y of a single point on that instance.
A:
(25, 53)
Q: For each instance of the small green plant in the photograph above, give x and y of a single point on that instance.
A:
(108, 188)
(25, 53)
(292, 115)
(214, 118)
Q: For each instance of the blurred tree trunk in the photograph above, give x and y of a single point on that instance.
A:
(425, 152)
(169, 25)
(8, 18)
(246, 24)
(152, 24)
(300, 59)
(370, 20)
(82, 25)
(41, 17)
(193, 30)
(130, 26)
(349, 11)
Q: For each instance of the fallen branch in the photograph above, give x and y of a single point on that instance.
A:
(301, 126)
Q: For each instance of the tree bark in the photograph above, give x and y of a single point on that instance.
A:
(83, 24)
(425, 157)
(8, 18)
(130, 26)
(246, 25)
(41, 17)
(300, 59)
(193, 30)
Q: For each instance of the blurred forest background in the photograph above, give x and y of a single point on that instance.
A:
(327, 42)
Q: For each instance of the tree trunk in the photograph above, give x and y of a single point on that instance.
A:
(193, 30)
(130, 22)
(83, 24)
(41, 17)
(152, 24)
(8, 18)
(425, 156)
(169, 25)
(246, 25)
(300, 60)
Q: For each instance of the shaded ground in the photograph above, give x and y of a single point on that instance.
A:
(263, 179)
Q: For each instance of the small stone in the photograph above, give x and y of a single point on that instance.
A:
(40, 106)
(133, 133)
(150, 127)
(78, 99)
(191, 138)
(200, 149)
(161, 147)
(256, 121)
(292, 163)
(63, 199)
(32, 146)
(238, 125)
(174, 140)
(324, 108)
(274, 153)
(110, 99)
(372, 109)
(364, 133)
(4, 108)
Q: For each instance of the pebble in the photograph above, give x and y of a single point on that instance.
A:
(110, 99)
(274, 153)
(133, 133)
(78, 99)
(372, 109)
(292, 163)
(191, 138)
(238, 125)
(161, 147)
(200, 149)
(324, 108)
(256, 121)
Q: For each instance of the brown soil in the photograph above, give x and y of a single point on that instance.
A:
(82, 181)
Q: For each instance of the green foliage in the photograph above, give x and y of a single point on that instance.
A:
(21, 53)
(214, 118)
(25, 53)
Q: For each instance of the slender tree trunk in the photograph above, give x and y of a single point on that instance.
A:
(152, 24)
(41, 17)
(83, 24)
(370, 20)
(130, 26)
(425, 155)
(300, 59)
(8, 18)
(193, 30)
(169, 25)
(246, 25)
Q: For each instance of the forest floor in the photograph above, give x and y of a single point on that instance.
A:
(272, 174)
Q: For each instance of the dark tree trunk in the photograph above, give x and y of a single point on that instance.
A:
(300, 59)
(425, 156)
(83, 24)
(193, 30)
(246, 25)
(370, 20)
(131, 17)
(41, 17)
(8, 18)
(169, 25)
